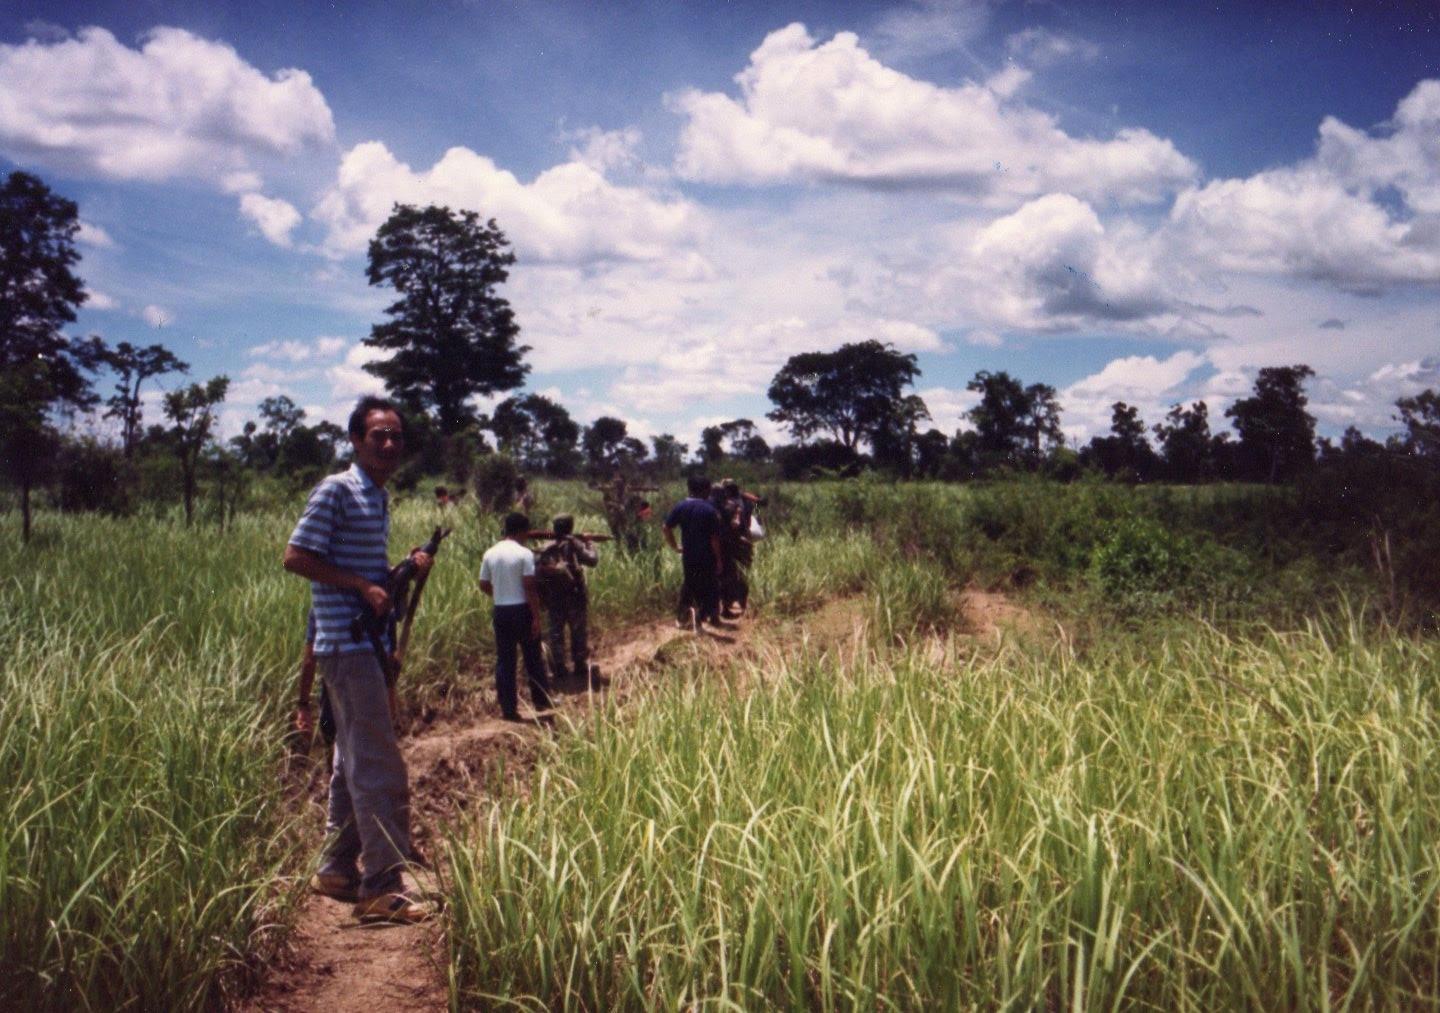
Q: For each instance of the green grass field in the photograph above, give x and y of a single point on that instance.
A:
(1198, 799)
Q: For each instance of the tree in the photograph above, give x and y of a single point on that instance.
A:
(603, 442)
(191, 411)
(893, 442)
(1013, 424)
(1277, 434)
(537, 432)
(712, 444)
(669, 453)
(1125, 453)
(743, 440)
(40, 368)
(930, 450)
(847, 393)
(452, 336)
(1420, 415)
(1186, 445)
(133, 366)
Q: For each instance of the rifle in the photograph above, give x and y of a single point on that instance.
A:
(366, 625)
(584, 536)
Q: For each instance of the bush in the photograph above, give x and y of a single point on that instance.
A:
(1143, 565)
(93, 478)
(495, 478)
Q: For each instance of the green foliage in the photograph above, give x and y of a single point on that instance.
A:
(1141, 564)
(451, 333)
(495, 476)
(1025, 830)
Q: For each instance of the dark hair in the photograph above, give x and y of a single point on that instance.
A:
(563, 524)
(731, 487)
(440, 490)
(516, 523)
(372, 403)
(698, 485)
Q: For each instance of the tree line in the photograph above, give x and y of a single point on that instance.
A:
(450, 338)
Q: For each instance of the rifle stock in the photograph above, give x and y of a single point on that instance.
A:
(584, 536)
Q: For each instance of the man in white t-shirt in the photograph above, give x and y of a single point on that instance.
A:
(507, 574)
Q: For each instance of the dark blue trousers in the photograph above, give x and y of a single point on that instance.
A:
(701, 591)
(512, 630)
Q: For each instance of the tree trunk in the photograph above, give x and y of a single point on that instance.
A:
(25, 511)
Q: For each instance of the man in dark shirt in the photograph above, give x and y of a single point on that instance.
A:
(699, 525)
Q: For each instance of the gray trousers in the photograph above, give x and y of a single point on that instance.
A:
(369, 817)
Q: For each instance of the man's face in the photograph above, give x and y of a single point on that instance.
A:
(383, 447)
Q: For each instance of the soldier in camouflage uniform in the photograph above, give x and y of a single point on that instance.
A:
(560, 569)
(623, 506)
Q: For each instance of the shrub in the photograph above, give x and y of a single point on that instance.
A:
(495, 477)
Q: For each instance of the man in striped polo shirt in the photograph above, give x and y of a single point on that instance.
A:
(340, 546)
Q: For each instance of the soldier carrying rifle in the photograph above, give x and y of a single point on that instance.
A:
(625, 509)
(560, 568)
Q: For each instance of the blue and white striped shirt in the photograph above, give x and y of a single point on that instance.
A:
(347, 523)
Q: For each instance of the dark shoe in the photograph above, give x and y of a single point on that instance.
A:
(336, 885)
(395, 908)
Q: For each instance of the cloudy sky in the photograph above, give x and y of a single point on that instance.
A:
(1127, 201)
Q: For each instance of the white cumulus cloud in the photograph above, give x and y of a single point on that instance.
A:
(568, 214)
(177, 106)
(275, 218)
(1328, 218)
(829, 111)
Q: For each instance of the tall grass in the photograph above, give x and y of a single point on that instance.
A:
(1207, 823)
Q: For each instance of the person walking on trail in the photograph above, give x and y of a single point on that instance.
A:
(561, 571)
(699, 549)
(340, 546)
(507, 575)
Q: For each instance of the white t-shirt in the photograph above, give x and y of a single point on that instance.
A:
(505, 565)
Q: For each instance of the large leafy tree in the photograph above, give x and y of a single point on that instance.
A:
(451, 335)
(1277, 434)
(1014, 424)
(849, 393)
(41, 370)
(537, 432)
(1186, 445)
(191, 411)
(1126, 453)
(669, 453)
(132, 366)
(605, 443)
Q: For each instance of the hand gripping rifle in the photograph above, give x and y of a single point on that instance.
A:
(551, 536)
(404, 600)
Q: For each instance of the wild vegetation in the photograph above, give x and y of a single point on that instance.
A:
(1046, 791)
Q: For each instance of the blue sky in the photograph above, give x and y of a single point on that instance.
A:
(1128, 201)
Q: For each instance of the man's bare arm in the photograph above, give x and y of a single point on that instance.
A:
(488, 588)
(307, 564)
(670, 538)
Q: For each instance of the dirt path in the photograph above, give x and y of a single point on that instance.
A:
(336, 965)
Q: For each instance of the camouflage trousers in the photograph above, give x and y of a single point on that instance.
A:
(572, 612)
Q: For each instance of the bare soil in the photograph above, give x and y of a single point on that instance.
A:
(335, 964)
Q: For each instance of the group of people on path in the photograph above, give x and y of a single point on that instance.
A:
(340, 545)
